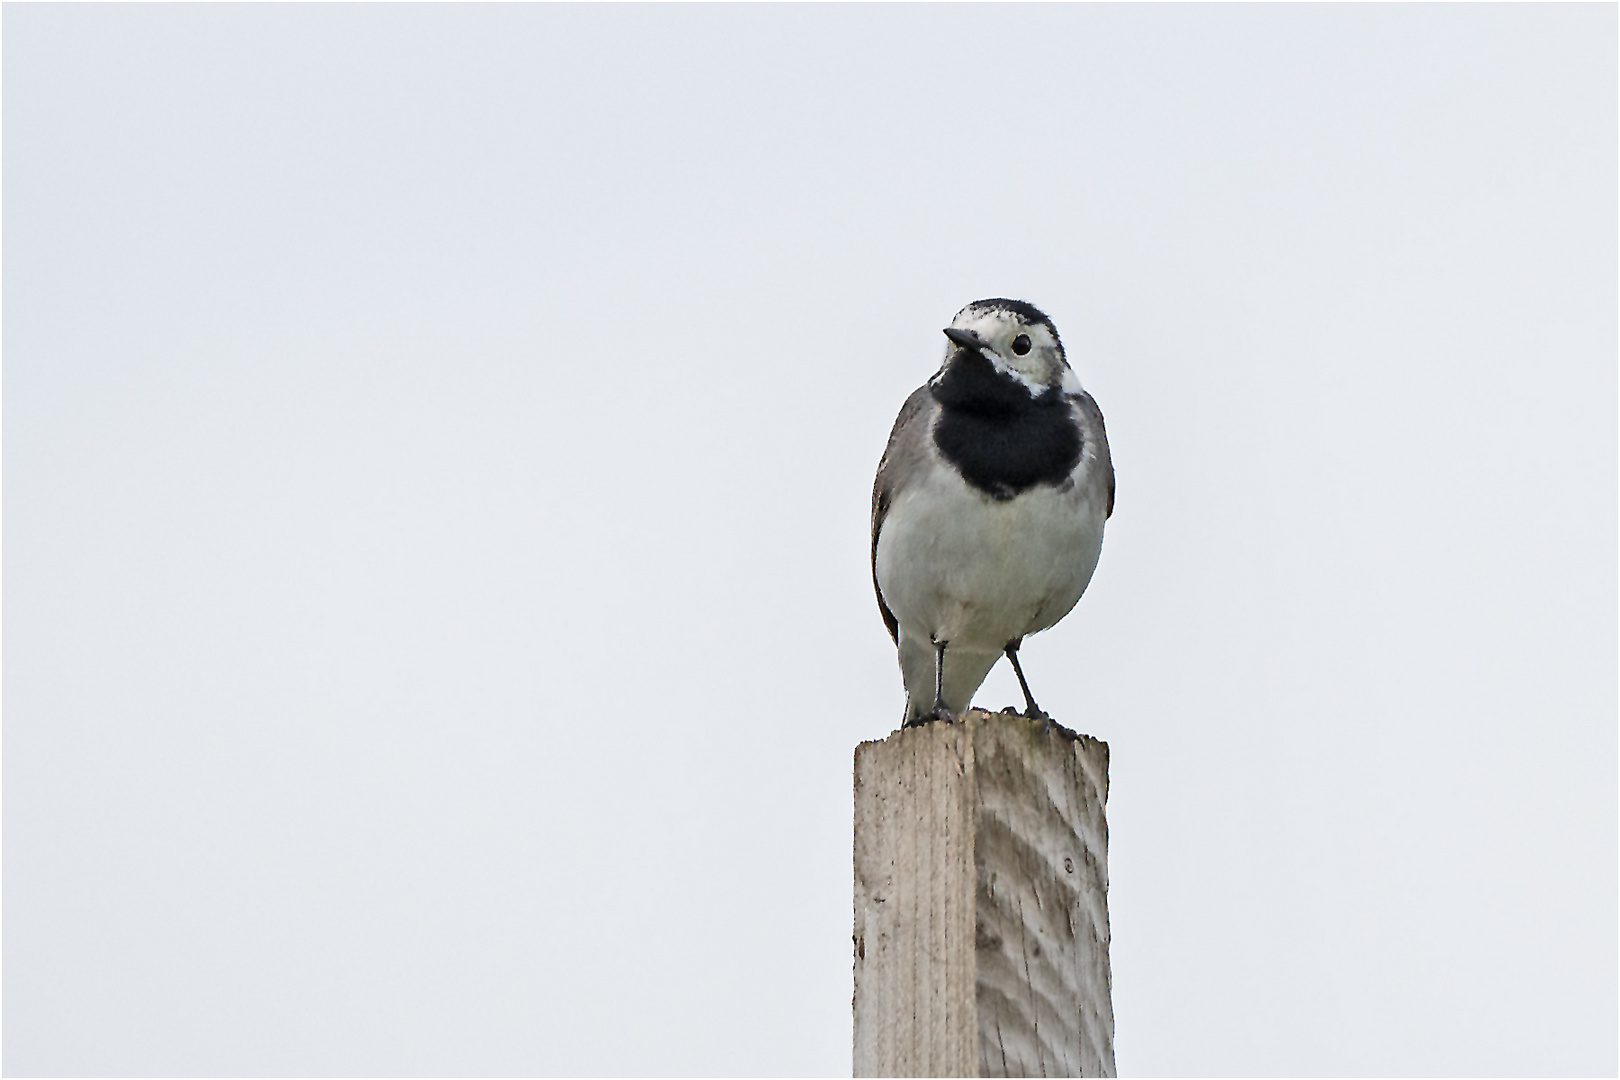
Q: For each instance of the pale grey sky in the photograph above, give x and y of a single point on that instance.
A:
(437, 450)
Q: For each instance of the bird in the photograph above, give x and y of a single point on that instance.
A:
(988, 507)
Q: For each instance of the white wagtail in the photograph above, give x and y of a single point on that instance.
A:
(988, 509)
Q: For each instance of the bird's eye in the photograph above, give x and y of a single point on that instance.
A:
(1021, 344)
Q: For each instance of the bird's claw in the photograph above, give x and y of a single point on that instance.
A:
(1043, 716)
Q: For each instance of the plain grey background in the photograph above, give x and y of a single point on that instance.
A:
(437, 452)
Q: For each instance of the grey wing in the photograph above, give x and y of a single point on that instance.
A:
(1091, 422)
(906, 450)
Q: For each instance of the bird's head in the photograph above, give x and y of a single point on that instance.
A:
(1019, 342)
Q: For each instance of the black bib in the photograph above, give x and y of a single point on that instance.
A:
(1002, 440)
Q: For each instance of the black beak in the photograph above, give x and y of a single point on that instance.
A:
(967, 339)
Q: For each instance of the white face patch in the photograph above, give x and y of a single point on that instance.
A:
(1038, 369)
(1035, 389)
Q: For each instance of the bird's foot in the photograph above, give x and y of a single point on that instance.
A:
(1043, 716)
(943, 715)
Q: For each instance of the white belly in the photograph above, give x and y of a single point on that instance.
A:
(960, 567)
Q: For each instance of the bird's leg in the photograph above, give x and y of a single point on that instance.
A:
(1033, 710)
(940, 711)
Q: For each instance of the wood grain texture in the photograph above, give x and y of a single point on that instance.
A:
(981, 902)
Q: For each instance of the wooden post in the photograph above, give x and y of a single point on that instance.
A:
(981, 902)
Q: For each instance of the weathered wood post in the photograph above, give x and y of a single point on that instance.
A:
(981, 902)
